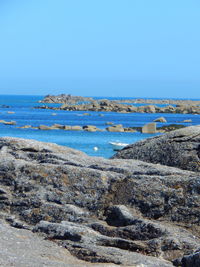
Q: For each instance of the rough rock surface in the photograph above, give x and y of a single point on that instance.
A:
(64, 98)
(118, 211)
(22, 248)
(114, 106)
(180, 148)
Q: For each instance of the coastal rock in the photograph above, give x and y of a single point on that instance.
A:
(8, 122)
(22, 248)
(25, 127)
(191, 260)
(170, 127)
(180, 148)
(76, 128)
(161, 119)
(149, 128)
(147, 109)
(64, 98)
(44, 127)
(57, 126)
(114, 106)
(116, 211)
(187, 121)
(91, 128)
(115, 128)
(130, 129)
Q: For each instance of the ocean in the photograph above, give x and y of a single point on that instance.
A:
(25, 114)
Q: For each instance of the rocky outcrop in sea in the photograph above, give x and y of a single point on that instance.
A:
(112, 211)
(65, 98)
(114, 106)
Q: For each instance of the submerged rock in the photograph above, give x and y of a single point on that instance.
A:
(8, 122)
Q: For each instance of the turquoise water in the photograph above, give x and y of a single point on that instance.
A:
(81, 140)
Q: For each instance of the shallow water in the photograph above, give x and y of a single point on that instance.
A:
(25, 114)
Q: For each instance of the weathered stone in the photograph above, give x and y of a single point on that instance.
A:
(67, 127)
(169, 128)
(58, 126)
(187, 121)
(25, 127)
(192, 260)
(76, 128)
(64, 98)
(44, 127)
(161, 119)
(91, 128)
(115, 128)
(118, 211)
(22, 248)
(8, 122)
(180, 148)
(149, 128)
(147, 109)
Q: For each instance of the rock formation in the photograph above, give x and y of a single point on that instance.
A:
(149, 128)
(113, 106)
(160, 119)
(115, 211)
(65, 98)
(180, 148)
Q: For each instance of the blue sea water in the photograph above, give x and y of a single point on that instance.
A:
(25, 114)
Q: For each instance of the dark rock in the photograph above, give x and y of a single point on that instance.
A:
(192, 260)
(115, 211)
(180, 148)
(8, 122)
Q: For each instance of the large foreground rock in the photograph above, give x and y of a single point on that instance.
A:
(118, 211)
(180, 148)
(21, 248)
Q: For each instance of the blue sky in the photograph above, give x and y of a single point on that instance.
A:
(135, 48)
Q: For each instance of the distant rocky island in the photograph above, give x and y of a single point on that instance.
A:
(141, 208)
(78, 103)
(65, 98)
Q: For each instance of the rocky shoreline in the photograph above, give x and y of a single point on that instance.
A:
(67, 98)
(63, 98)
(184, 107)
(110, 211)
(111, 128)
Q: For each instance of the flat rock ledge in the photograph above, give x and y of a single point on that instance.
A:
(179, 148)
(107, 212)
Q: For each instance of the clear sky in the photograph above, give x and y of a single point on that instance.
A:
(136, 48)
